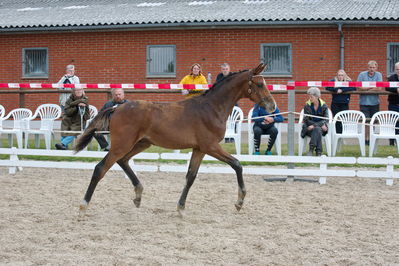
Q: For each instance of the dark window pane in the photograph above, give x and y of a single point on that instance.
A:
(393, 57)
(35, 62)
(278, 58)
(161, 60)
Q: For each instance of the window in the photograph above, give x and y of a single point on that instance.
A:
(161, 61)
(393, 57)
(35, 63)
(278, 56)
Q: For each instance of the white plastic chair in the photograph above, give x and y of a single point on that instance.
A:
(47, 113)
(352, 127)
(20, 119)
(382, 126)
(93, 112)
(250, 124)
(303, 142)
(2, 114)
(233, 127)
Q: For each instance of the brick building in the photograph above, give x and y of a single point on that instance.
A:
(157, 41)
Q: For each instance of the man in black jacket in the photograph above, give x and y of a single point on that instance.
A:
(225, 71)
(118, 98)
(393, 99)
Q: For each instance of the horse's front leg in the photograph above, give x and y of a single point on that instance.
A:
(124, 164)
(195, 162)
(218, 152)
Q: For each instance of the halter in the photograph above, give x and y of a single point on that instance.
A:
(250, 89)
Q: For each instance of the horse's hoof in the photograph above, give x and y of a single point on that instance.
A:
(82, 209)
(180, 210)
(83, 206)
(139, 191)
(239, 205)
(137, 202)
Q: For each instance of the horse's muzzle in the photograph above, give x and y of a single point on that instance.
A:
(269, 106)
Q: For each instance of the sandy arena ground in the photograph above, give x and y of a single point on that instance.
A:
(345, 222)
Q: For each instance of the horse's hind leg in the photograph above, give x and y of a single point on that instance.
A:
(195, 162)
(124, 164)
(99, 171)
(98, 174)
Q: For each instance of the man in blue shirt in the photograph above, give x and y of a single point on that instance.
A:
(369, 103)
(265, 126)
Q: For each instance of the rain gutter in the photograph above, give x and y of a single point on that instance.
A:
(205, 25)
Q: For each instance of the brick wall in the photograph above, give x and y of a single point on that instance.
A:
(120, 56)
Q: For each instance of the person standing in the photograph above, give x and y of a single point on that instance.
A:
(195, 77)
(315, 127)
(225, 71)
(68, 78)
(265, 126)
(118, 98)
(340, 101)
(74, 118)
(369, 103)
(393, 99)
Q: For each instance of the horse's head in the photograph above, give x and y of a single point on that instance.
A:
(257, 90)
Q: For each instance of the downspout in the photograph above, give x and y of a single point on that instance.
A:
(342, 47)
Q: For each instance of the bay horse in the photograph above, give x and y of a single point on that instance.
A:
(198, 123)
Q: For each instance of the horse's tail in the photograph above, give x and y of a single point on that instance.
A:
(100, 122)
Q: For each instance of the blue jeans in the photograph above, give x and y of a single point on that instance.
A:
(67, 139)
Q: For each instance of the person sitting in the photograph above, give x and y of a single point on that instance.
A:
(265, 126)
(74, 118)
(195, 77)
(340, 102)
(315, 127)
(118, 98)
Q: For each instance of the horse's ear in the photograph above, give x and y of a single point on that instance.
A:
(259, 69)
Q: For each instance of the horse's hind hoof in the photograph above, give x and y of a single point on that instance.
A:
(139, 191)
(82, 209)
(239, 205)
(137, 202)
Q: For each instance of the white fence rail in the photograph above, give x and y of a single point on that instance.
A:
(320, 171)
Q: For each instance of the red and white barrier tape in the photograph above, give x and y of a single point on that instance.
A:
(290, 85)
(124, 86)
(369, 84)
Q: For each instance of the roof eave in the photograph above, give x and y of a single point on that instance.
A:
(207, 24)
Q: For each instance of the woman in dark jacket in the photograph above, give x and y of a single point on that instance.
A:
(315, 127)
(340, 102)
(74, 118)
(393, 98)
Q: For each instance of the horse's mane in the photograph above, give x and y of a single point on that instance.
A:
(217, 85)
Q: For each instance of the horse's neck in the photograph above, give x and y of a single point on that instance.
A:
(224, 99)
